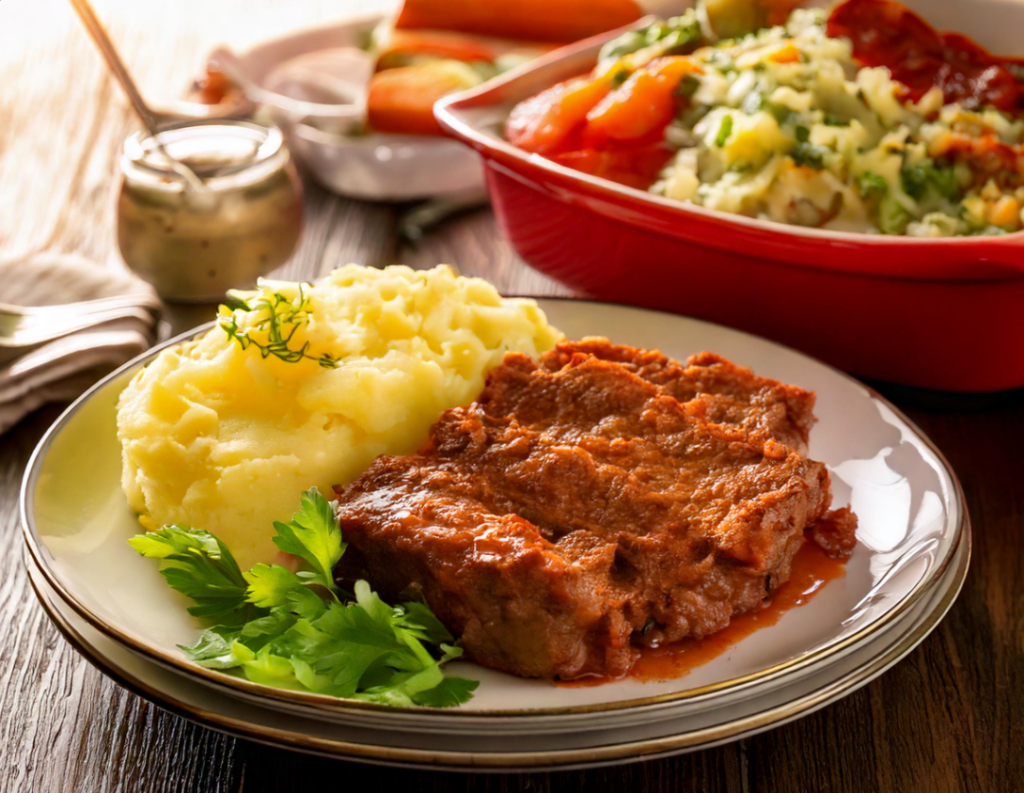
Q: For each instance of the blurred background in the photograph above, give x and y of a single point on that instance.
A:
(63, 117)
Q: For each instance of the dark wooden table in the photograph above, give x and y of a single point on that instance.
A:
(950, 717)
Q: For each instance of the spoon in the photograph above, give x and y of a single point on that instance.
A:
(109, 52)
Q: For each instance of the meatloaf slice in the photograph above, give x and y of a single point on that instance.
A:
(732, 395)
(519, 602)
(573, 511)
(645, 441)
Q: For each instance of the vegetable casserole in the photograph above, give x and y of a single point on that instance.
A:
(865, 119)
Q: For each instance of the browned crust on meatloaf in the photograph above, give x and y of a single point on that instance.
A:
(577, 509)
(733, 395)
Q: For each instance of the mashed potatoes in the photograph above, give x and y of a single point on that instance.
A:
(306, 387)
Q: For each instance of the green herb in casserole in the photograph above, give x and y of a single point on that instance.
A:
(783, 124)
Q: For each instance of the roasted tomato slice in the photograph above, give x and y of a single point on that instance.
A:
(887, 34)
(634, 165)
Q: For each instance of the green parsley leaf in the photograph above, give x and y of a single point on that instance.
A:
(623, 45)
(313, 533)
(914, 181)
(418, 617)
(945, 182)
(806, 153)
(781, 113)
(274, 585)
(275, 626)
(724, 131)
(674, 36)
(215, 648)
(809, 155)
(450, 652)
(200, 566)
(448, 693)
(918, 179)
(256, 633)
(869, 184)
(721, 61)
(401, 689)
(306, 603)
(892, 217)
(269, 669)
(680, 36)
(687, 86)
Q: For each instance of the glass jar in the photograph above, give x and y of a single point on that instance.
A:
(194, 245)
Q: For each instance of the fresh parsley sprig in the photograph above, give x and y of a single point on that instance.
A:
(314, 535)
(278, 317)
(198, 565)
(300, 630)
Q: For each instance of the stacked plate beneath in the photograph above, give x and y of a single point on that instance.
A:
(907, 570)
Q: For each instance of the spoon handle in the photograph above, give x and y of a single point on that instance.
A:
(106, 47)
(109, 52)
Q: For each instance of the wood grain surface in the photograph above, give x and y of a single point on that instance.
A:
(948, 718)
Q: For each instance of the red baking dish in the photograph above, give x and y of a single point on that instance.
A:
(936, 313)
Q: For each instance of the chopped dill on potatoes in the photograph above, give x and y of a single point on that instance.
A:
(301, 630)
(277, 316)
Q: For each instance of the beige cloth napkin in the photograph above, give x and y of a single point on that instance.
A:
(61, 370)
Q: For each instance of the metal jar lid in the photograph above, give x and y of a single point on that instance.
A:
(224, 154)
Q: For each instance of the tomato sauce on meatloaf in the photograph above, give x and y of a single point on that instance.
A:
(599, 499)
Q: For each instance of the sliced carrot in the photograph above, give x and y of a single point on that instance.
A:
(438, 43)
(400, 45)
(402, 100)
(539, 20)
(1005, 213)
(545, 122)
(644, 104)
(788, 53)
(631, 111)
(673, 68)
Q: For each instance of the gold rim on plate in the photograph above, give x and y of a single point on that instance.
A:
(649, 749)
(957, 517)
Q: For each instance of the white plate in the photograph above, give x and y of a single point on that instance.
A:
(566, 749)
(910, 507)
(314, 114)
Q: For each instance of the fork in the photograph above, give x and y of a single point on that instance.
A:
(22, 328)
